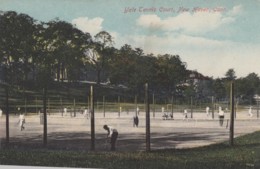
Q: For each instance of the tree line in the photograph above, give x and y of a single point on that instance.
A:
(44, 52)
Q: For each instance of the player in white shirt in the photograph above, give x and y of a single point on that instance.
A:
(21, 121)
(113, 134)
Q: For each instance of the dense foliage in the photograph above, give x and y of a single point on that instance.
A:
(41, 53)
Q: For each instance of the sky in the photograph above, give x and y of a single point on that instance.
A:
(211, 36)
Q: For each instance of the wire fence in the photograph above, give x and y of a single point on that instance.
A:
(174, 123)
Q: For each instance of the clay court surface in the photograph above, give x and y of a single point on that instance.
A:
(73, 133)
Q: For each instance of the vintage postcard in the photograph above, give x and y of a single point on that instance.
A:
(130, 84)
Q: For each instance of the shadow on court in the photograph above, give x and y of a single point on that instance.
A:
(126, 142)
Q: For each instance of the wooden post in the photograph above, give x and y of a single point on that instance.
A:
(236, 108)
(48, 106)
(136, 106)
(153, 107)
(97, 107)
(61, 106)
(147, 110)
(118, 103)
(36, 105)
(172, 107)
(45, 116)
(257, 108)
(213, 106)
(74, 107)
(191, 107)
(231, 133)
(89, 103)
(92, 118)
(25, 105)
(7, 112)
(104, 108)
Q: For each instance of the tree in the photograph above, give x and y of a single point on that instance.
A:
(66, 44)
(16, 44)
(247, 87)
(121, 65)
(15, 49)
(219, 89)
(131, 67)
(204, 88)
(98, 52)
(230, 74)
(170, 71)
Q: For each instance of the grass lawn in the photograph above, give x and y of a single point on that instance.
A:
(244, 155)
